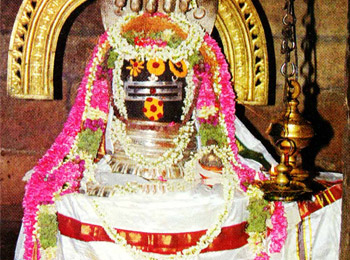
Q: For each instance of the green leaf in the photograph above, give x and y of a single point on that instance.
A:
(257, 215)
(48, 228)
(194, 59)
(210, 132)
(89, 141)
(175, 41)
(113, 56)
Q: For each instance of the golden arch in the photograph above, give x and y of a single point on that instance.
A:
(39, 22)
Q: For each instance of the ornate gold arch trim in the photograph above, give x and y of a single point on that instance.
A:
(243, 37)
(39, 22)
(33, 46)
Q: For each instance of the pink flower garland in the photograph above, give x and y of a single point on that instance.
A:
(278, 234)
(206, 95)
(43, 184)
(227, 104)
(262, 256)
(100, 95)
(245, 173)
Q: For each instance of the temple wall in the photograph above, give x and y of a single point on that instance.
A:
(29, 127)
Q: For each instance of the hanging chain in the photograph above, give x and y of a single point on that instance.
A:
(289, 44)
(289, 68)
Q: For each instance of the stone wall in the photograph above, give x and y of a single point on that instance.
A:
(29, 127)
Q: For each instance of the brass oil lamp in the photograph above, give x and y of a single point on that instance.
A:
(293, 127)
(291, 133)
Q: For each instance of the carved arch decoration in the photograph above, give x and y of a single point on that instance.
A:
(39, 22)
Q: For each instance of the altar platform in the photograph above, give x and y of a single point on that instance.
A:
(167, 223)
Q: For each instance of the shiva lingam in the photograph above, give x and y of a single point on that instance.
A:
(291, 134)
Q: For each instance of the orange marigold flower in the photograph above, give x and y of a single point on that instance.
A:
(156, 66)
(179, 69)
(135, 67)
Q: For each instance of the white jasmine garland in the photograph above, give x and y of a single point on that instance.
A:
(48, 253)
(95, 114)
(230, 153)
(92, 76)
(256, 241)
(118, 88)
(254, 192)
(206, 111)
(189, 91)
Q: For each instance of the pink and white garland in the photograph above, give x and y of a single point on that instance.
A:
(52, 171)
(246, 174)
(228, 109)
(278, 234)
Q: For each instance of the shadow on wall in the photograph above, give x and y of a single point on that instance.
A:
(61, 47)
(323, 129)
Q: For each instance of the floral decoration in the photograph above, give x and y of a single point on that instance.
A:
(223, 89)
(262, 212)
(279, 232)
(153, 109)
(149, 42)
(48, 226)
(59, 171)
(262, 256)
(212, 132)
(89, 141)
(100, 95)
(95, 124)
(208, 88)
(191, 34)
(179, 68)
(135, 67)
(208, 114)
(156, 66)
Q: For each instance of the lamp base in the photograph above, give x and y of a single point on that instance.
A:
(300, 175)
(293, 191)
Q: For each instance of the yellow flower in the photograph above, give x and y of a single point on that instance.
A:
(156, 66)
(179, 69)
(135, 67)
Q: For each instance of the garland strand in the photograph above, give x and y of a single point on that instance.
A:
(52, 172)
